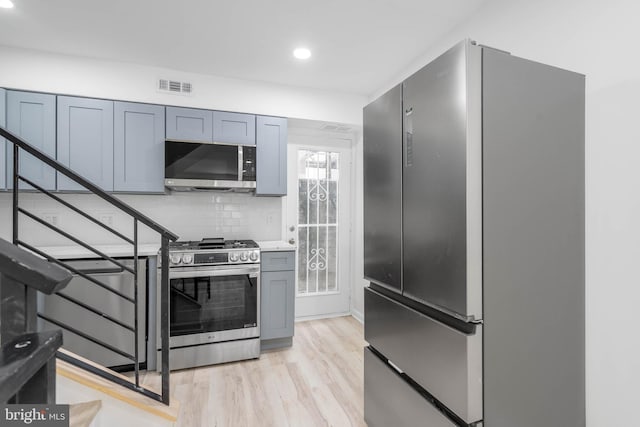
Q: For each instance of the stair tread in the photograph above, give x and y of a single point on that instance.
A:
(82, 414)
(168, 412)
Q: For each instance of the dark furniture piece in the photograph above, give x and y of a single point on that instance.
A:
(27, 358)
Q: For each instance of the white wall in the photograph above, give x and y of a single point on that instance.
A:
(39, 71)
(599, 39)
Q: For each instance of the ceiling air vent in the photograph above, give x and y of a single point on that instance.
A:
(330, 127)
(334, 127)
(176, 87)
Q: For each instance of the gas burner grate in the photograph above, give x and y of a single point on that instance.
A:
(211, 243)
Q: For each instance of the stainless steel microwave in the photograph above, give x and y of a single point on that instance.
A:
(207, 165)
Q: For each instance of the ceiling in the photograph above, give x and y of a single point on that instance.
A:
(357, 45)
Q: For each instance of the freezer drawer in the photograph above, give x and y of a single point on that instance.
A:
(391, 401)
(444, 361)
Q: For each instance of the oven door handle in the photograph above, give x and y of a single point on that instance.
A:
(211, 273)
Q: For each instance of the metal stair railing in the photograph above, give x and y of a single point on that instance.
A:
(138, 218)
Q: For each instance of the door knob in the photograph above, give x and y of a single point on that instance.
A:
(292, 228)
(292, 241)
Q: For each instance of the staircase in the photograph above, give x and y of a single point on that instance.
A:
(19, 287)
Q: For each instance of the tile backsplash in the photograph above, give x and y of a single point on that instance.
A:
(190, 215)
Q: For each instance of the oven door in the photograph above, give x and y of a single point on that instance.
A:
(213, 304)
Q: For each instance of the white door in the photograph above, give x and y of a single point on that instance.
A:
(317, 220)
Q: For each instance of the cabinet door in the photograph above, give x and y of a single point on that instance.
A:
(85, 141)
(138, 147)
(278, 261)
(189, 124)
(3, 152)
(32, 116)
(271, 156)
(277, 304)
(234, 128)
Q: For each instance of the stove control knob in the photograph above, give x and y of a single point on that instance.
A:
(187, 259)
(175, 258)
(254, 256)
(244, 257)
(233, 257)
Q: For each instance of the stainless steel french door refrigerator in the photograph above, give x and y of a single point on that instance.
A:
(474, 245)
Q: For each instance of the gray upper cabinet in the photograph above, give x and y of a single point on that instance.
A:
(234, 128)
(189, 124)
(32, 116)
(138, 148)
(85, 141)
(3, 152)
(271, 156)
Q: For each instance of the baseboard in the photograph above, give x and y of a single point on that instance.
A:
(357, 315)
(276, 343)
(322, 316)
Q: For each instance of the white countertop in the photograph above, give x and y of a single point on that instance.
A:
(276, 245)
(68, 252)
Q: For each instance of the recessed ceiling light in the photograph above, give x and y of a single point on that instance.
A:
(302, 53)
(6, 4)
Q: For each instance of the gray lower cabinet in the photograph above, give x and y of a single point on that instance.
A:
(85, 141)
(138, 148)
(32, 116)
(189, 124)
(271, 156)
(234, 128)
(277, 299)
(3, 152)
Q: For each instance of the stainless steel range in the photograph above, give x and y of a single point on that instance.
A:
(214, 302)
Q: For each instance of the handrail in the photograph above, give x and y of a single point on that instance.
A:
(73, 270)
(165, 237)
(88, 185)
(76, 240)
(76, 210)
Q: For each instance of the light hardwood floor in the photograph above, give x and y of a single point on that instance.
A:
(316, 382)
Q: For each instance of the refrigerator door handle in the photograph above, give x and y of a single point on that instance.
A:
(408, 137)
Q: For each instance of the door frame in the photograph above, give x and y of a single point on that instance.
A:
(317, 139)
